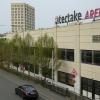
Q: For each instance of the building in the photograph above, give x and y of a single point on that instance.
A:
(80, 53)
(22, 17)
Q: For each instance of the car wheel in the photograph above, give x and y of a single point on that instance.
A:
(23, 96)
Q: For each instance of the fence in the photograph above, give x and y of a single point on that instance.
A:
(74, 96)
(63, 91)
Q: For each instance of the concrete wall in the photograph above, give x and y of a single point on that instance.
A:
(74, 37)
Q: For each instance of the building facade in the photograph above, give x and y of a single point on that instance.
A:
(22, 17)
(80, 53)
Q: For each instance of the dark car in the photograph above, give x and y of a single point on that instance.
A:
(27, 92)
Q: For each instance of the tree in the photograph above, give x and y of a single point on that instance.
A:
(29, 56)
(44, 46)
(16, 50)
(2, 51)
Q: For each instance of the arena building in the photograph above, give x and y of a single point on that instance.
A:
(79, 43)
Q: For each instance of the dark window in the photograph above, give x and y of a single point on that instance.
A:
(97, 57)
(86, 56)
(84, 84)
(62, 54)
(67, 54)
(90, 85)
(70, 54)
(96, 38)
(97, 87)
(66, 78)
(87, 84)
(62, 77)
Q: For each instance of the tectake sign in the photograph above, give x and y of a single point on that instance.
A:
(68, 18)
(76, 16)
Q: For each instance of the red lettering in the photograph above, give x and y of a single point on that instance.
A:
(92, 14)
(87, 15)
(97, 12)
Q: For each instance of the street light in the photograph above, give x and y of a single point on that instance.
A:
(80, 91)
(54, 56)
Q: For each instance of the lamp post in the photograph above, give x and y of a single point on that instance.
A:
(80, 91)
(52, 66)
(54, 56)
(34, 61)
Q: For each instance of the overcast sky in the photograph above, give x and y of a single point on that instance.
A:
(45, 10)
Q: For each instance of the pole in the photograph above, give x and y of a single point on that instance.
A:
(52, 66)
(79, 60)
(34, 61)
(55, 55)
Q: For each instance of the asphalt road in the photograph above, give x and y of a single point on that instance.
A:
(8, 82)
(7, 86)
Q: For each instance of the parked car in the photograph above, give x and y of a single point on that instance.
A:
(27, 92)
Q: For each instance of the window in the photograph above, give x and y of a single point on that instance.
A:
(87, 84)
(66, 78)
(62, 54)
(67, 54)
(21, 22)
(62, 77)
(15, 22)
(18, 22)
(96, 38)
(90, 85)
(90, 57)
(97, 87)
(86, 56)
(70, 54)
(96, 57)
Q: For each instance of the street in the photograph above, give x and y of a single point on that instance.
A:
(8, 82)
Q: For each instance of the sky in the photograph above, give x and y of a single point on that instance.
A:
(45, 11)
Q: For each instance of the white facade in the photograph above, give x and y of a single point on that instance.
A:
(78, 37)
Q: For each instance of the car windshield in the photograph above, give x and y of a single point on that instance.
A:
(29, 88)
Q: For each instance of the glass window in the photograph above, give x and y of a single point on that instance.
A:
(62, 77)
(67, 54)
(86, 56)
(62, 54)
(66, 78)
(90, 85)
(70, 54)
(96, 38)
(97, 87)
(96, 57)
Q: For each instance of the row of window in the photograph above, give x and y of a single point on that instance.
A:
(90, 85)
(18, 16)
(21, 16)
(90, 57)
(20, 22)
(87, 56)
(18, 6)
(18, 19)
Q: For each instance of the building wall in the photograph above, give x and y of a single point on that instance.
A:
(77, 37)
(22, 17)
